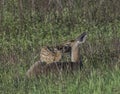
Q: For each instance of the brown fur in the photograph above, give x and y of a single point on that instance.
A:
(56, 67)
(49, 56)
(54, 54)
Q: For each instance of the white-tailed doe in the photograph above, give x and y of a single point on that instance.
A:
(56, 67)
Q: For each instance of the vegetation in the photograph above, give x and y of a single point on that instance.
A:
(25, 27)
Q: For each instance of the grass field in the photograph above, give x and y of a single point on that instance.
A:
(100, 56)
(88, 82)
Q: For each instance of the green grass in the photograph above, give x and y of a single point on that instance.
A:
(95, 81)
(100, 54)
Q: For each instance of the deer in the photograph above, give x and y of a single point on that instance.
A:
(49, 54)
(54, 54)
(57, 67)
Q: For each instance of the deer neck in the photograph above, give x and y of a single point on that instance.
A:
(75, 56)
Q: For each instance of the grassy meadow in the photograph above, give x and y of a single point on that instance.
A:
(100, 56)
(20, 47)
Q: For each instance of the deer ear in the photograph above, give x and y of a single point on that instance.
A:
(82, 37)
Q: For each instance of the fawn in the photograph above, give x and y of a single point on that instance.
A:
(56, 67)
(54, 54)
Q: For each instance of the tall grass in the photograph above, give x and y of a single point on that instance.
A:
(95, 81)
(100, 56)
(20, 48)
